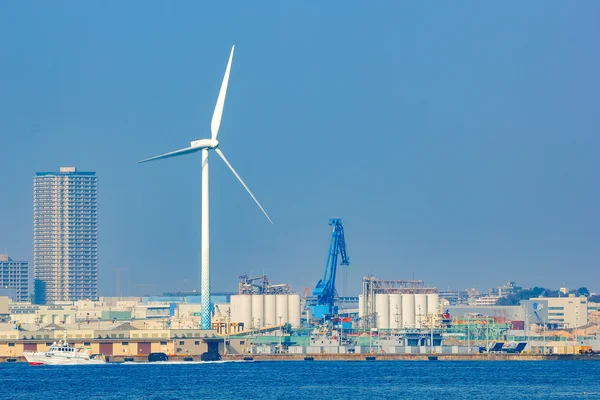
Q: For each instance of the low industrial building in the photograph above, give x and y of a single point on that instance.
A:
(111, 339)
(556, 312)
(508, 313)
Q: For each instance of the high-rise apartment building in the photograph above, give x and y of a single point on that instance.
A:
(14, 278)
(65, 236)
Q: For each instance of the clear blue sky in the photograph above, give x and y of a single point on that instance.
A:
(458, 142)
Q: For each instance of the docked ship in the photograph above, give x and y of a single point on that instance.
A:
(62, 353)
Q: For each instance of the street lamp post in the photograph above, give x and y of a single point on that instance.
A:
(371, 340)
(226, 333)
(252, 335)
(487, 337)
(432, 322)
(527, 330)
(280, 333)
(544, 322)
(468, 335)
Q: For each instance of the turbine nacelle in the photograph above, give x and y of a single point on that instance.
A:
(205, 143)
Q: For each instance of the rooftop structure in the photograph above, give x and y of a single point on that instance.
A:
(261, 285)
(65, 236)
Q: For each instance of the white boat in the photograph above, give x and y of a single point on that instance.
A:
(62, 354)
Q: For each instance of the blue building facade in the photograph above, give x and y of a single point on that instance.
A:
(65, 236)
(14, 279)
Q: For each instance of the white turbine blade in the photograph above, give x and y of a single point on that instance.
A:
(172, 154)
(218, 113)
(220, 153)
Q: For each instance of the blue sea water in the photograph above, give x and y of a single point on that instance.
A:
(307, 380)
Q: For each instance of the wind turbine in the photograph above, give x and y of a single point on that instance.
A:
(205, 145)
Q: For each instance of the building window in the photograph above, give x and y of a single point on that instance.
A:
(181, 343)
(197, 342)
(163, 343)
(242, 342)
(124, 343)
(556, 308)
(86, 343)
(11, 345)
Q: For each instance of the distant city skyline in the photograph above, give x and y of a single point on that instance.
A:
(458, 143)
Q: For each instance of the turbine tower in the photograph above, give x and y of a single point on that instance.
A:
(205, 145)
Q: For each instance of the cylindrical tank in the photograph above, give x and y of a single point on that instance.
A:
(245, 303)
(395, 311)
(361, 306)
(258, 310)
(294, 310)
(408, 310)
(432, 304)
(382, 308)
(281, 308)
(270, 314)
(420, 309)
(235, 315)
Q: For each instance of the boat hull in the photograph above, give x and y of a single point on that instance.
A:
(34, 358)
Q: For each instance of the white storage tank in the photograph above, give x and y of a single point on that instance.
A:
(258, 310)
(408, 311)
(420, 309)
(245, 303)
(433, 300)
(235, 315)
(361, 306)
(294, 310)
(281, 308)
(396, 311)
(270, 313)
(382, 309)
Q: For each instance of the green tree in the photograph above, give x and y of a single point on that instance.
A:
(583, 291)
(594, 299)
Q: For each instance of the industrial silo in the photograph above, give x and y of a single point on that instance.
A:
(433, 300)
(361, 306)
(270, 315)
(408, 310)
(395, 311)
(294, 310)
(245, 303)
(281, 308)
(420, 309)
(235, 315)
(258, 310)
(382, 309)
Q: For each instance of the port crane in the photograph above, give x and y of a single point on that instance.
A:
(325, 289)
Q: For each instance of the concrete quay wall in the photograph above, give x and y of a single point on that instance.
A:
(415, 357)
(358, 357)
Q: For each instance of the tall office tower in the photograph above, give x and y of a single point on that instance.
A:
(65, 236)
(14, 278)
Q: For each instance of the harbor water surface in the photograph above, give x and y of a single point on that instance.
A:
(307, 380)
